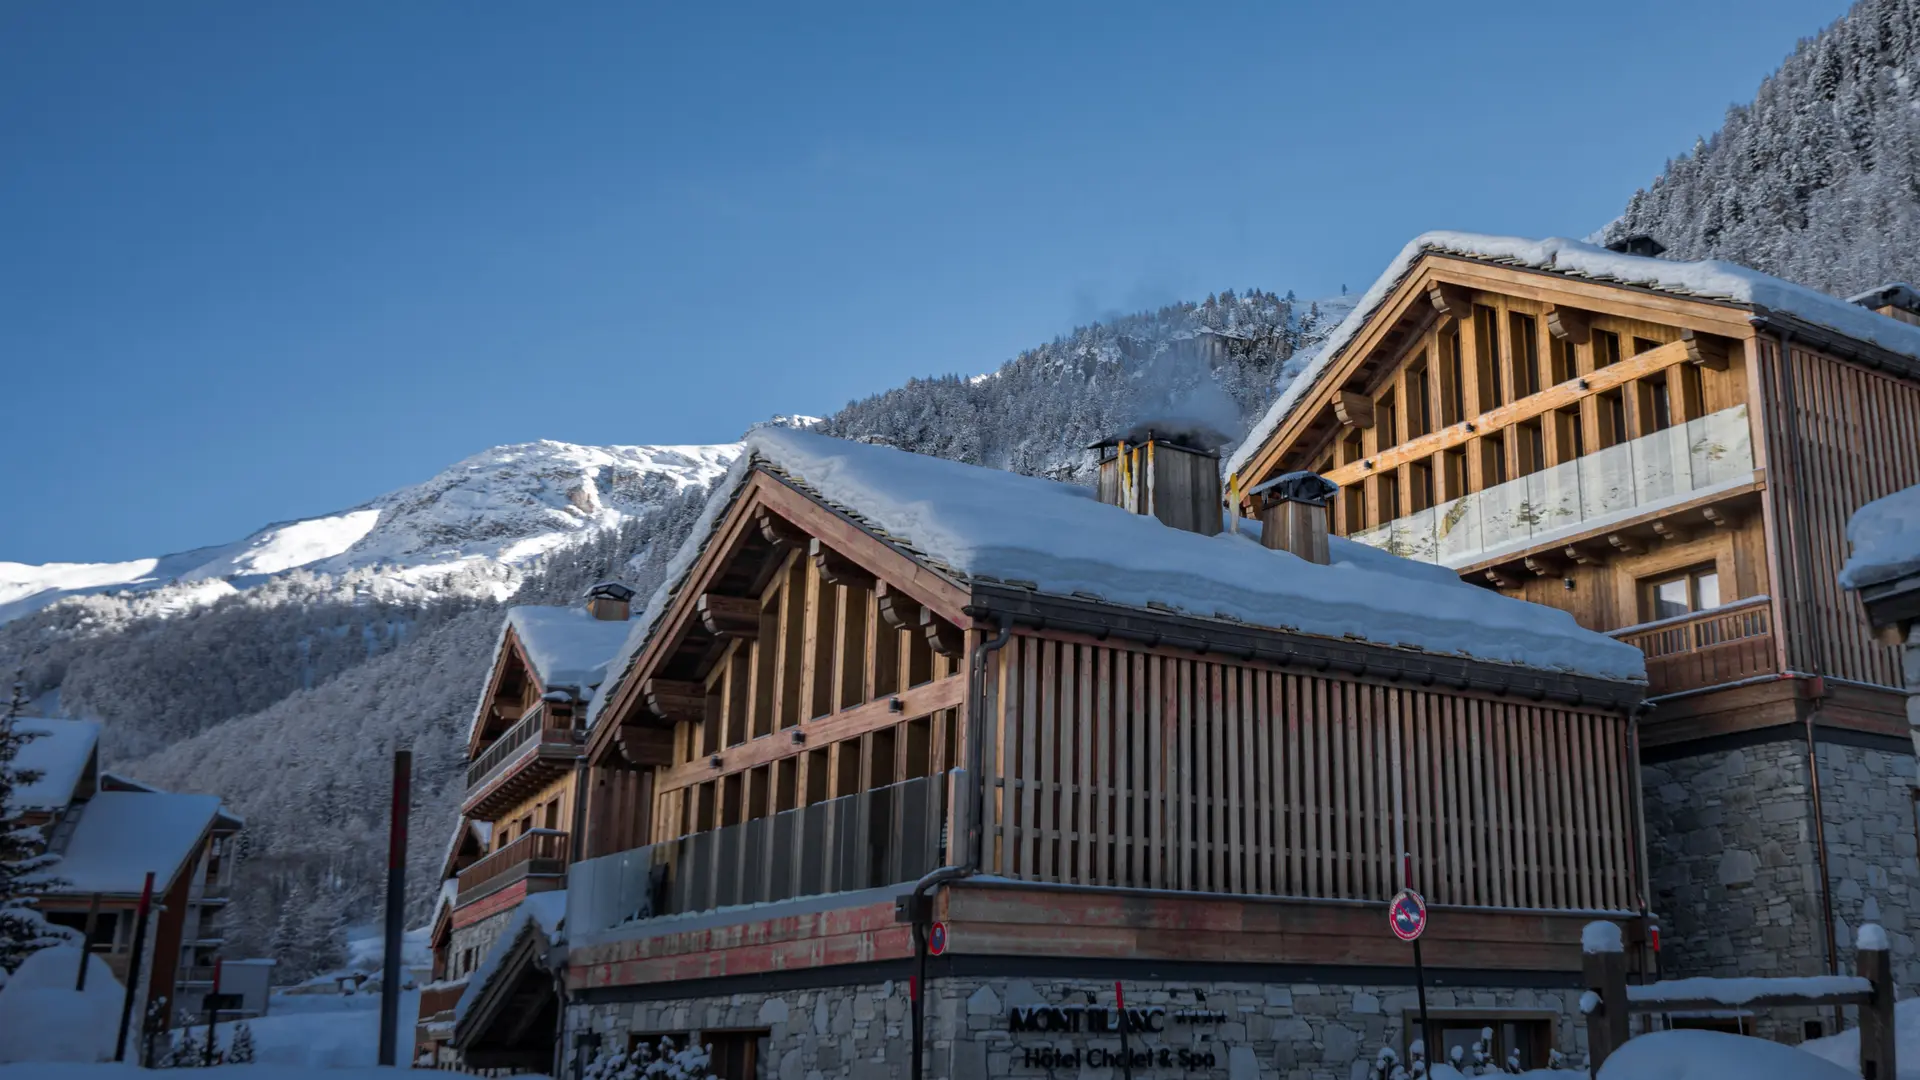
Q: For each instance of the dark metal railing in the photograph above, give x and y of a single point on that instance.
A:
(886, 836)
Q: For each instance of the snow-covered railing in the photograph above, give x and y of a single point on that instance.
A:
(1609, 1001)
(1706, 648)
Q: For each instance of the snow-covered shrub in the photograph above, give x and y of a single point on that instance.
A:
(241, 1051)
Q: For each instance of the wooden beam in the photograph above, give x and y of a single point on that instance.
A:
(1354, 410)
(1570, 325)
(943, 637)
(775, 530)
(837, 569)
(674, 701)
(1501, 580)
(1557, 397)
(1668, 530)
(1723, 519)
(897, 609)
(646, 747)
(1624, 544)
(729, 616)
(1707, 350)
(1450, 300)
(1583, 556)
(1543, 565)
(922, 700)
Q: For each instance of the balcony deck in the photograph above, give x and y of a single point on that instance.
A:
(1706, 648)
(533, 752)
(540, 854)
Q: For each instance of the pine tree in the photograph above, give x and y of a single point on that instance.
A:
(241, 1051)
(23, 867)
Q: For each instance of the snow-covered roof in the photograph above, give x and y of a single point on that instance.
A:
(543, 913)
(59, 751)
(123, 834)
(567, 646)
(1885, 535)
(980, 524)
(1709, 279)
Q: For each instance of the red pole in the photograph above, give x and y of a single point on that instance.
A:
(133, 968)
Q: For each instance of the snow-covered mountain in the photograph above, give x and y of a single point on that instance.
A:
(506, 506)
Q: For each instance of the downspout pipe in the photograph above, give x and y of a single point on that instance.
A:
(1804, 566)
(919, 903)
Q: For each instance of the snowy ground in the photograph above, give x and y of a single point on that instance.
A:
(221, 1072)
(324, 1031)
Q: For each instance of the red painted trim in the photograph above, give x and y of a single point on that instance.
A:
(490, 905)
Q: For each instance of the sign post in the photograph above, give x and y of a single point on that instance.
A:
(1126, 1044)
(133, 968)
(1407, 916)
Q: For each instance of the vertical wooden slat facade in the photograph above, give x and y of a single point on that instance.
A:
(1285, 784)
(1839, 436)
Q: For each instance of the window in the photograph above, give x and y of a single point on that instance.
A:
(737, 1055)
(1419, 399)
(1681, 593)
(1641, 345)
(1526, 1035)
(1454, 472)
(1613, 418)
(1571, 440)
(1526, 354)
(1606, 348)
(1386, 423)
(1351, 449)
(1532, 445)
(1658, 404)
(1493, 461)
(1486, 328)
(1453, 391)
(1421, 476)
(1565, 365)
(1353, 503)
(1389, 497)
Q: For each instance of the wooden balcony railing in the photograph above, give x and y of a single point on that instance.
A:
(539, 853)
(538, 726)
(1706, 648)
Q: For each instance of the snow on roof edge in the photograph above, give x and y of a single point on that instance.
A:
(1707, 280)
(1884, 540)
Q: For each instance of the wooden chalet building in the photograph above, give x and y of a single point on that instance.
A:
(1884, 572)
(518, 832)
(109, 832)
(1669, 452)
(1108, 746)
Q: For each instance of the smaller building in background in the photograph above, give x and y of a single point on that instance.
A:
(109, 832)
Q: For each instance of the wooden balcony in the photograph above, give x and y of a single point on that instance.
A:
(531, 754)
(438, 1000)
(1706, 648)
(540, 854)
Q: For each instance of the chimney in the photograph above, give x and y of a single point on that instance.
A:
(609, 601)
(1895, 300)
(1638, 244)
(1293, 514)
(1162, 476)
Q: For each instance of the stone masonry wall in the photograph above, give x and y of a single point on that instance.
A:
(1301, 1031)
(1866, 796)
(1736, 872)
(479, 937)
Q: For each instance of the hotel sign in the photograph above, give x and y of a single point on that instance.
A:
(1103, 1020)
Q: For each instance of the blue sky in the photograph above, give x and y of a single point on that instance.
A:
(267, 261)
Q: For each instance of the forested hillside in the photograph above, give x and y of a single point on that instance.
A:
(1818, 179)
(1036, 414)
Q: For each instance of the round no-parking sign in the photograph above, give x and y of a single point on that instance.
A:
(1408, 915)
(937, 939)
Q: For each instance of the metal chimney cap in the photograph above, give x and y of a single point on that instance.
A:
(1302, 487)
(612, 590)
